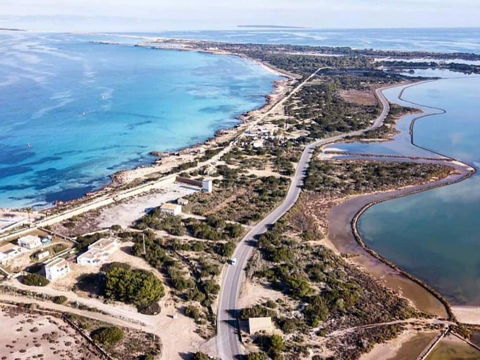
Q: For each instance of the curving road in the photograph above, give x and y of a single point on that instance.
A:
(228, 342)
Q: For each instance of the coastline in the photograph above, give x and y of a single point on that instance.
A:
(171, 159)
(348, 239)
(163, 164)
(279, 91)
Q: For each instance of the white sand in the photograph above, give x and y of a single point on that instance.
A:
(467, 314)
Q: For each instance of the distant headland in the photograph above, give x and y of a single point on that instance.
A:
(271, 26)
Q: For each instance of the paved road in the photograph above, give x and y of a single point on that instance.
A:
(228, 343)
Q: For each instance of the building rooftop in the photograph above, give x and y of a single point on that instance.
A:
(8, 247)
(260, 324)
(169, 206)
(30, 238)
(93, 254)
(103, 244)
(59, 262)
(99, 250)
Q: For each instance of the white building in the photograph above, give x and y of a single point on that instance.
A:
(172, 209)
(203, 184)
(56, 269)
(207, 185)
(29, 242)
(98, 252)
(182, 201)
(260, 324)
(9, 251)
(42, 255)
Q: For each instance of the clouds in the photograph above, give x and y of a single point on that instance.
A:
(188, 14)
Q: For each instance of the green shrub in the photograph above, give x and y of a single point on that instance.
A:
(193, 312)
(316, 311)
(211, 287)
(289, 326)
(234, 230)
(225, 249)
(257, 356)
(151, 309)
(60, 299)
(255, 311)
(108, 335)
(202, 230)
(57, 248)
(201, 356)
(84, 241)
(35, 280)
(147, 357)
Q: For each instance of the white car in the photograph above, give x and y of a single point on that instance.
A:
(233, 261)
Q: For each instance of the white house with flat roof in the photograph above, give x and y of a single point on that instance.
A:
(9, 251)
(56, 269)
(172, 209)
(98, 252)
(29, 242)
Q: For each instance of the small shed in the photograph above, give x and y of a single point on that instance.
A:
(260, 324)
(172, 209)
(182, 201)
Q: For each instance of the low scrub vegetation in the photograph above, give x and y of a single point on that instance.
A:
(330, 293)
(351, 177)
(240, 198)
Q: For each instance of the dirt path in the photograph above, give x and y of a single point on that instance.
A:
(48, 305)
(413, 321)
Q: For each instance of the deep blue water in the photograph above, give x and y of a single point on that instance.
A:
(73, 112)
(434, 235)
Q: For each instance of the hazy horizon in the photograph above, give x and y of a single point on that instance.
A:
(151, 16)
(240, 27)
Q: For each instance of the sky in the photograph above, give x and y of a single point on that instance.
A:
(158, 15)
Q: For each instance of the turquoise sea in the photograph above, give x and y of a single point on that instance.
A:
(425, 39)
(73, 112)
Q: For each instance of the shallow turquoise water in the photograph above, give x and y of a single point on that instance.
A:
(425, 39)
(434, 235)
(73, 112)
